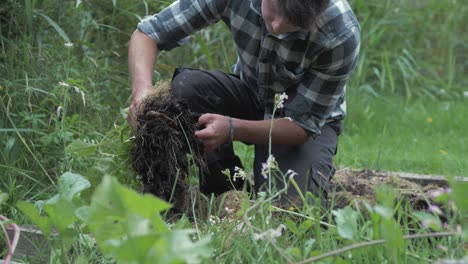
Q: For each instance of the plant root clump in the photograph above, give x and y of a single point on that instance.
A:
(164, 136)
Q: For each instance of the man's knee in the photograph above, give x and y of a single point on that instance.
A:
(186, 83)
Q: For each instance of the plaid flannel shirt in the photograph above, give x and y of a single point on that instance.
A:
(310, 66)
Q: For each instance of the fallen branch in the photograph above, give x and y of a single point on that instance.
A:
(372, 243)
(11, 244)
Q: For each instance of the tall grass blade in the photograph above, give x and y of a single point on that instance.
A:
(57, 28)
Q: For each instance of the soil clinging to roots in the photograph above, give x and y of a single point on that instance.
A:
(164, 137)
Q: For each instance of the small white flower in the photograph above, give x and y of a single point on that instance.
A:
(239, 173)
(267, 166)
(68, 44)
(279, 99)
(257, 237)
(77, 90)
(291, 174)
(214, 220)
(270, 234)
(58, 111)
(64, 84)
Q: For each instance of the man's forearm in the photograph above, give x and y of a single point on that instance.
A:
(285, 132)
(142, 53)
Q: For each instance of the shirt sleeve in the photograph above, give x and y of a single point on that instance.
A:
(172, 26)
(323, 88)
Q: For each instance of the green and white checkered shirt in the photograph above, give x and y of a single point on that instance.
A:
(311, 67)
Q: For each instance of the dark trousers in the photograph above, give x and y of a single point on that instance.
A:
(225, 94)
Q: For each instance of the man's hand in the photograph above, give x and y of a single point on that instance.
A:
(131, 115)
(132, 110)
(216, 131)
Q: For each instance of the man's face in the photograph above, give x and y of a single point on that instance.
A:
(274, 22)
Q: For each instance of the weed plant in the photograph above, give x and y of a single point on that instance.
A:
(64, 87)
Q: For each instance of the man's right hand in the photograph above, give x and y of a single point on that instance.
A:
(133, 109)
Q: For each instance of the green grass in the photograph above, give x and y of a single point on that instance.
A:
(406, 112)
(419, 136)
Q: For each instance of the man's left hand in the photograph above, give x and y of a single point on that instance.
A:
(216, 131)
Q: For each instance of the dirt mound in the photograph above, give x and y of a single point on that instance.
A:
(360, 185)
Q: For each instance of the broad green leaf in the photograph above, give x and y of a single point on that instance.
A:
(146, 205)
(346, 221)
(117, 213)
(306, 225)
(291, 225)
(138, 250)
(182, 248)
(128, 227)
(111, 198)
(70, 185)
(61, 214)
(32, 212)
(81, 149)
(106, 201)
(3, 197)
(136, 225)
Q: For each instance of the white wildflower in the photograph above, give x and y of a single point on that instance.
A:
(239, 173)
(257, 237)
(279, 99)
(291, 174)
(229, 210)
(267, 166)
(68, 44)
(77, 90)
(58, 111)
(214, 220)
(64, 84)
(270, 234)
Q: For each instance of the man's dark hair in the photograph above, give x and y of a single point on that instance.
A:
(302, 13)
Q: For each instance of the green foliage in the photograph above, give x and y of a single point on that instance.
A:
(59, 212)
(346, 223)
(411, 69)
(3, 198)
(127, 226)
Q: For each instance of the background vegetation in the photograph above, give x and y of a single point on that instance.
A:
(61, 106)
